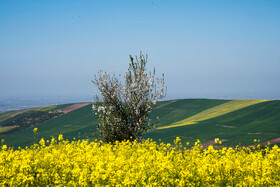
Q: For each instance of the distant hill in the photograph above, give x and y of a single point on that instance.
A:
(233, 121)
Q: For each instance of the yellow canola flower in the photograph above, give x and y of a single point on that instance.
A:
(35, 130)
(4, 147)
(217, 140)
(42, 142)
(130, 163)
(60, 137)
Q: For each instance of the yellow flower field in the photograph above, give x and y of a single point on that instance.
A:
(81, 163)
(215, 112)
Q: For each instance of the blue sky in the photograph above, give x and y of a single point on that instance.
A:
(206, 49)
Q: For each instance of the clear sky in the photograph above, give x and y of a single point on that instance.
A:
(207, 49)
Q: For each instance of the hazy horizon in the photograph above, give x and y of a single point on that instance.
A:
(206, 49)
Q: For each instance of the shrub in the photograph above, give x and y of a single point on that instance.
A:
(123, 112)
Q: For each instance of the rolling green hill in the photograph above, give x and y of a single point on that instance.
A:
(255, 119)
(259, 121)
(213, 112)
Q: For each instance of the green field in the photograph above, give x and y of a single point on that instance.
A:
(260, 120)
(8, 115)
(213, 112)
(12, 115)
(4, 129)
(51, 108)
(73, 124)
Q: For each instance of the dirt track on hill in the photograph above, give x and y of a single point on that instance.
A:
(74, 107)
(272, 141)
(11, 114)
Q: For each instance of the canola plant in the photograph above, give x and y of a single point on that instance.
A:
(60, 162)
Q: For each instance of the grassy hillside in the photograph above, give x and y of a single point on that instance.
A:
(213, 112)
(261, 121)
(82, 122)
(176, 110)
(72, 124)
(12, 115)
(8, 115)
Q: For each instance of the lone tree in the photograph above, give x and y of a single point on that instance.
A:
(123, 112)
